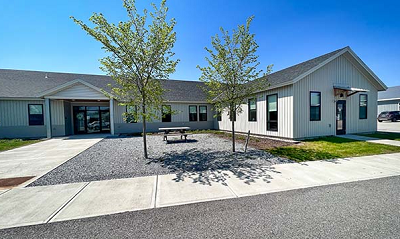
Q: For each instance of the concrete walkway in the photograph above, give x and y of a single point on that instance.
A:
(38, 159)
(371, 140)
(44, 204)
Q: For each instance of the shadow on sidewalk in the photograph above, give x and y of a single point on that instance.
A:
(206, 167)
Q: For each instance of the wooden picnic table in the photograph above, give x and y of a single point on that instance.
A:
(175, 131)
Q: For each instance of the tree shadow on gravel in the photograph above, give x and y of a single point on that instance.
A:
(206, 167)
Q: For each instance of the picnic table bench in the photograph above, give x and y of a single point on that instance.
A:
(175, 131)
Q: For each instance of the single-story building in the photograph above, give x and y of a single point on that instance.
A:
(389, 100)
(332, 94)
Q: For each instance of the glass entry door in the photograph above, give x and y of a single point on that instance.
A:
(341, 117)
(79, 121)
(91, 119)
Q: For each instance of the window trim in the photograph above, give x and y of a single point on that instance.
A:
(319, 107)
(134, 119)
(202, 113)
(359, 106)
(197, 114)
(277, 113)
(249, 110)
(162, 113)
(29, 115)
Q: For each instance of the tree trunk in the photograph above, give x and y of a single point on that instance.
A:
(144, 132)
(233, 131)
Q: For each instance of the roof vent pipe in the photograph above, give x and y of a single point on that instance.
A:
(46, 76)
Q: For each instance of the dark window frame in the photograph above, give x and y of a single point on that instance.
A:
(163, 115)
(134, 119)
(319, 106)
(31, 120)
(277, 114)
(200, 114)
(366, 106)
(249, 110)
(197, 115)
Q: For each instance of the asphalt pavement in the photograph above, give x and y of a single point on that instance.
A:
(363, 209)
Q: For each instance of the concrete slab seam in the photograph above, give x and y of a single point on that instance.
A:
(1, 193)
(231, 189)
(66, 203)
(154, 196)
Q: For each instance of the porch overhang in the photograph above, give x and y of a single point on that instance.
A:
(348, 89)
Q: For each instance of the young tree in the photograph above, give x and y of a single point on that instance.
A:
(231, 75)
(137, 56)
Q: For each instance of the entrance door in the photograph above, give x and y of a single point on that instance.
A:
(79, 120)
(91, 119)
(341, 117)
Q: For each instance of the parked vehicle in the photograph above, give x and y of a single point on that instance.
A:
(389, 116)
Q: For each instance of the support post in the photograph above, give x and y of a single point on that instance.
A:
(47, 117)
(112, 116)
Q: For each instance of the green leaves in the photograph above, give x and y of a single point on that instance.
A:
(231, 75)
(139, 52)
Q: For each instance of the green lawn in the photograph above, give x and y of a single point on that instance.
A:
(331, 147)
(383, 135)
(7, 144)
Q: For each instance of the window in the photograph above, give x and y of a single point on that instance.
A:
(272, 112)
(166, 113)
(202, 113)
(192, 113)
(253, 109)
(219, 115)
(35, 114)
(315, 106)
(131, 114)
(363, 106)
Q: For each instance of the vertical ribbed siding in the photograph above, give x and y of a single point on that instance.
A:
(15, 112)
(285, 115)
(57, 112)
(390, 105)
(339, 71)
(181, 110)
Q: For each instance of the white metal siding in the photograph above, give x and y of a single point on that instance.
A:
(285, 115)
(15, 112)
(390, 105)
(339, 71)
(79, 91)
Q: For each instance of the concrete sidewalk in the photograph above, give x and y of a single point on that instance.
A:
(370, 139)
(38, 159)
(35, 205)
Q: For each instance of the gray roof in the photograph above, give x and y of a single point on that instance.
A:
(290, 73)
(390, 93)
(21, 83)
(27, 84)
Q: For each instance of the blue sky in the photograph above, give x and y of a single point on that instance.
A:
(38, 34)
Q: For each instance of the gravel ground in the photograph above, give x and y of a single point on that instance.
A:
(121, 157)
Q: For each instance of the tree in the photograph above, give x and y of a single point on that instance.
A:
(232, 75)
(137, 56)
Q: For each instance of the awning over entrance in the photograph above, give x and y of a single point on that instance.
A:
(348, 89)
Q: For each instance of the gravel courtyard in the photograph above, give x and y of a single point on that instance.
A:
(201, 158)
